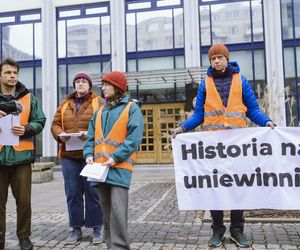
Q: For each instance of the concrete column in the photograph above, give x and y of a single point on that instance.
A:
(118, 48)
(274, 61)
(191, 33)
(49, 79)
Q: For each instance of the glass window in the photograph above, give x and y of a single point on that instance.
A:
(69, 13)
(156, 63)
(62, 81)
(179, 60)
(14, 45)
(297, 18)
(259, 64)
(257, 18)
(38, 41)
(298, 62)
(154, 30)
(130, 32)
(61, 38)
(244, 60)
(178, 28)
(289, 62)
(204, 25)
(231, 23)
(131, 65)
(7, 19)
(30, 17)
(136, 6)
(83, 37)
(287, 19)
(26, 77)
(105, 34)
(161, 3)
(91, 11)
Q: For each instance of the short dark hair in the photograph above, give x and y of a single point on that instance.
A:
(9, 61)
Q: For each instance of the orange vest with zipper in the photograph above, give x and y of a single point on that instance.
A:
(105, 147)
(25, 143)
(218, 117)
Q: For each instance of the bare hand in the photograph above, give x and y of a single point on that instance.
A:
(110, 162)
(270, 124)
(176, 131)
(18, 130)
(64, 138)
(83, 136)
(2, 113)
(89, 160)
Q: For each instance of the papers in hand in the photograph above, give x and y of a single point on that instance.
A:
(74, 143)
(7, 137)
(95, 172)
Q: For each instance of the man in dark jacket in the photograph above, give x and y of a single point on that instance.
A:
(224, 99)
(15, 161)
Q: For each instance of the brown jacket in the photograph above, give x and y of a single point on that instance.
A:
(73, 121)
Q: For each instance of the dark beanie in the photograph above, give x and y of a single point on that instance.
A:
(84, 75)
(218, 49)
(116, 78)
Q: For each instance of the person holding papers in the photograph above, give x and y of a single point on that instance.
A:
(224, 99)
(114, 135)
(69, 128)
(15, 160)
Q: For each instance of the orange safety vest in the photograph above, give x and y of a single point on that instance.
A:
(105, 147)
(95, 105)
(216, 116)
(25, 143)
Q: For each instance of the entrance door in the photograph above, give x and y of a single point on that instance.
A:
(159, 119)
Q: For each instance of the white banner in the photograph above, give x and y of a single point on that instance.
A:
(246, 168)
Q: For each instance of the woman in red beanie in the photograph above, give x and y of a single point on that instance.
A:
(73, 116)
(114, 135)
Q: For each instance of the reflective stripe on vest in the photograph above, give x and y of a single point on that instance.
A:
(216, 116)
(95, 106)
(105, 147)
(25, 143)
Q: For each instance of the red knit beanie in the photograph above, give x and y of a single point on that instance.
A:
(84, 75)
(218, 49)
(116, 78)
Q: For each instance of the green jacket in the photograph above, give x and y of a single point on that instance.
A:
(37, 120)
(135, 126)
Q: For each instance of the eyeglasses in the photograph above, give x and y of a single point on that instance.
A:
(81, 80)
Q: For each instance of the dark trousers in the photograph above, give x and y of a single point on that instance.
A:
(82, 211)
(19, 179)
(236, 221)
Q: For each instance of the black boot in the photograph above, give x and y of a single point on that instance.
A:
(2, 245)
(25, 244)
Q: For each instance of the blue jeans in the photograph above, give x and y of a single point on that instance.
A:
(86, 213)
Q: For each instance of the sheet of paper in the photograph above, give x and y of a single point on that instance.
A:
(7, 138)
(95, 172)
(71, 134)
(74, 143)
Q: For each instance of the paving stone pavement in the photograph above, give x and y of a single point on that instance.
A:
(154, 220)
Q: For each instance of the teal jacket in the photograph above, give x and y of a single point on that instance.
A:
(118, 176)
(37, 119)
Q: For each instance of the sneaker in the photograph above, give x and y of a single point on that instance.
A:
(97, 236)
(25, 244)
(240, 239)
(74, 236)
(2, 245)
(216, 240)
